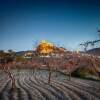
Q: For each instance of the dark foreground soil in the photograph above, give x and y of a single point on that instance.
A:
(31, 86)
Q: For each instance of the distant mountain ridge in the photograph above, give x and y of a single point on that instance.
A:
(95, 51)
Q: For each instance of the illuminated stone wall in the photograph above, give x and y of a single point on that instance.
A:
(45, 47)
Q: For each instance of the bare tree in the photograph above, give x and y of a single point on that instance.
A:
(85, 45)
(6, 63)
(98, 30)
(6, 68)
(50, 72)
(94, 42)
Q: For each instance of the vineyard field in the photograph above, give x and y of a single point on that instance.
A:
(34, 86)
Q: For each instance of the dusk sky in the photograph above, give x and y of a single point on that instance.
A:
(64, 22)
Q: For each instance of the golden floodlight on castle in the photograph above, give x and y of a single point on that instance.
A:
(45, 47)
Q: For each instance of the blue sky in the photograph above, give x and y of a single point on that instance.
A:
(64, 22)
